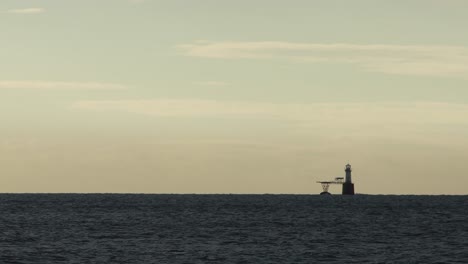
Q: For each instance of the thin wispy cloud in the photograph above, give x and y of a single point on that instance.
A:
(137, 1)
(27, 11)
(212, 83)
(385, 114)
(426, 60)
(50, 85)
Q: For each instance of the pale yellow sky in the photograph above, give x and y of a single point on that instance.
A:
(233, 96)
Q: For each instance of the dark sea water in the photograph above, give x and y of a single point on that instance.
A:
(93, 228)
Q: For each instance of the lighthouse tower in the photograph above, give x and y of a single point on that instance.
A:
(348, 185)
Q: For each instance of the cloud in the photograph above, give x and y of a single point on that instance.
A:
(27, 11)
(211, 83)
(426, 60)
(43, 85)
(137, 1)
(179, 107)
(353, 114)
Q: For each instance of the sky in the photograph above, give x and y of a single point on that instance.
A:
(216, 96)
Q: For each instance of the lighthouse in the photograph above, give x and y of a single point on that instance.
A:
(348, 185)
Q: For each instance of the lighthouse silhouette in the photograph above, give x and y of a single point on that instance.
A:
(348, 185)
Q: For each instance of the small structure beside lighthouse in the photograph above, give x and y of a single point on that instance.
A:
(348, 185)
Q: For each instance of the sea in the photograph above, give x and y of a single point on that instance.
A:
(144, 228)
